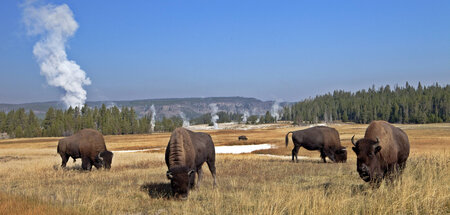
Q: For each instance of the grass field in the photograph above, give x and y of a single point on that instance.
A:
(31, 181)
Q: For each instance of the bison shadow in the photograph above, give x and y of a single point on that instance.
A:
(75, 167)
(158, 190)
(309, 160)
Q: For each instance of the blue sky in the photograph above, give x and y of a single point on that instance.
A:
(286, 50)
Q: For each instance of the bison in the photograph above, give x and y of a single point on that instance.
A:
(185, 155)
(321, 138)
(87, 144)
(242, 138)
(383, 151)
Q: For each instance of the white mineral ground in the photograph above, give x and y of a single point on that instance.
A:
(239, 149)
(236, 149)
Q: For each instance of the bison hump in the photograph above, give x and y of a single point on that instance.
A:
(182, 152)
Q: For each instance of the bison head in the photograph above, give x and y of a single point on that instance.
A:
(368, 162)
(181, 179)
(105, 158)
(340, 155)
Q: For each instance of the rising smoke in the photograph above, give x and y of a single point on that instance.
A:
(152, 122)
(214, 116)
(185, 120)
(55, 24)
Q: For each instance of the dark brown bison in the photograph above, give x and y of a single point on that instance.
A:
(87, 144)
(383, 150)
(321, 138)
(242, 138)
(185, 155)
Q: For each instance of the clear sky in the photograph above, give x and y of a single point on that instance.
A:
(286, 50)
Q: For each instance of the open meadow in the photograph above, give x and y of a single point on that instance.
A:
(261, 182)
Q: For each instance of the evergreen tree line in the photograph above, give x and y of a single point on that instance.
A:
(223, 117)
(19, 123)
(399, 105)
(109, 121)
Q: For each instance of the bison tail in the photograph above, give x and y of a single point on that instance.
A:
(287, 137)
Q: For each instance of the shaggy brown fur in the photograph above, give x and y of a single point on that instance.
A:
(87, 144)
(185, 155)
(321, 138)
(383, 150)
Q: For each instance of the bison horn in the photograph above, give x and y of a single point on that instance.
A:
(190, 172)
(353, 140)
(377, 143)
(100, 157)
(169, 175)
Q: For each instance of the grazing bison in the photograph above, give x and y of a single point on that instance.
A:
(383, 150)
(321, 138)
(87, 144)
(242, 138)
(185, 155)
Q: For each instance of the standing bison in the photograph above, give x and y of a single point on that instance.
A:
(321, 138)
(383, 150)
(185, 155)
(87, 144)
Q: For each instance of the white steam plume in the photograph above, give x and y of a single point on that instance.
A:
(245, 116)
(274, 112)
(185, 120)
(55, 24)
(214, 116)
(152, 122)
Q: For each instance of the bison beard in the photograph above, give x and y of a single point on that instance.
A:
(185, 155)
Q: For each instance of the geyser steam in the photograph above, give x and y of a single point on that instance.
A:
(55, 24)
(214, 116)
(152, 122)
(186, 122)
(274, 112)
(245, 116)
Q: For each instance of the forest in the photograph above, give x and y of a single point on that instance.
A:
(399, 105)
(408, 104)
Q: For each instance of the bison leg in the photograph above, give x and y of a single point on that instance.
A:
(295, 153)
(86, 163)
(322, 155)
(64, 158)
(401, 167)
(192, 180)
(200, 175)
(212, 169)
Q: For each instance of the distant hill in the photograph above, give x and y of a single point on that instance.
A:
(191, 107)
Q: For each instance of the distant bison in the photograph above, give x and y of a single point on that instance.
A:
(87, 144)
(185, 155)
(242, 138)
(383, 150)
(321, 138)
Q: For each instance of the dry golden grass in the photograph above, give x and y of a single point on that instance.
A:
(21, 205)
(33, 183)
